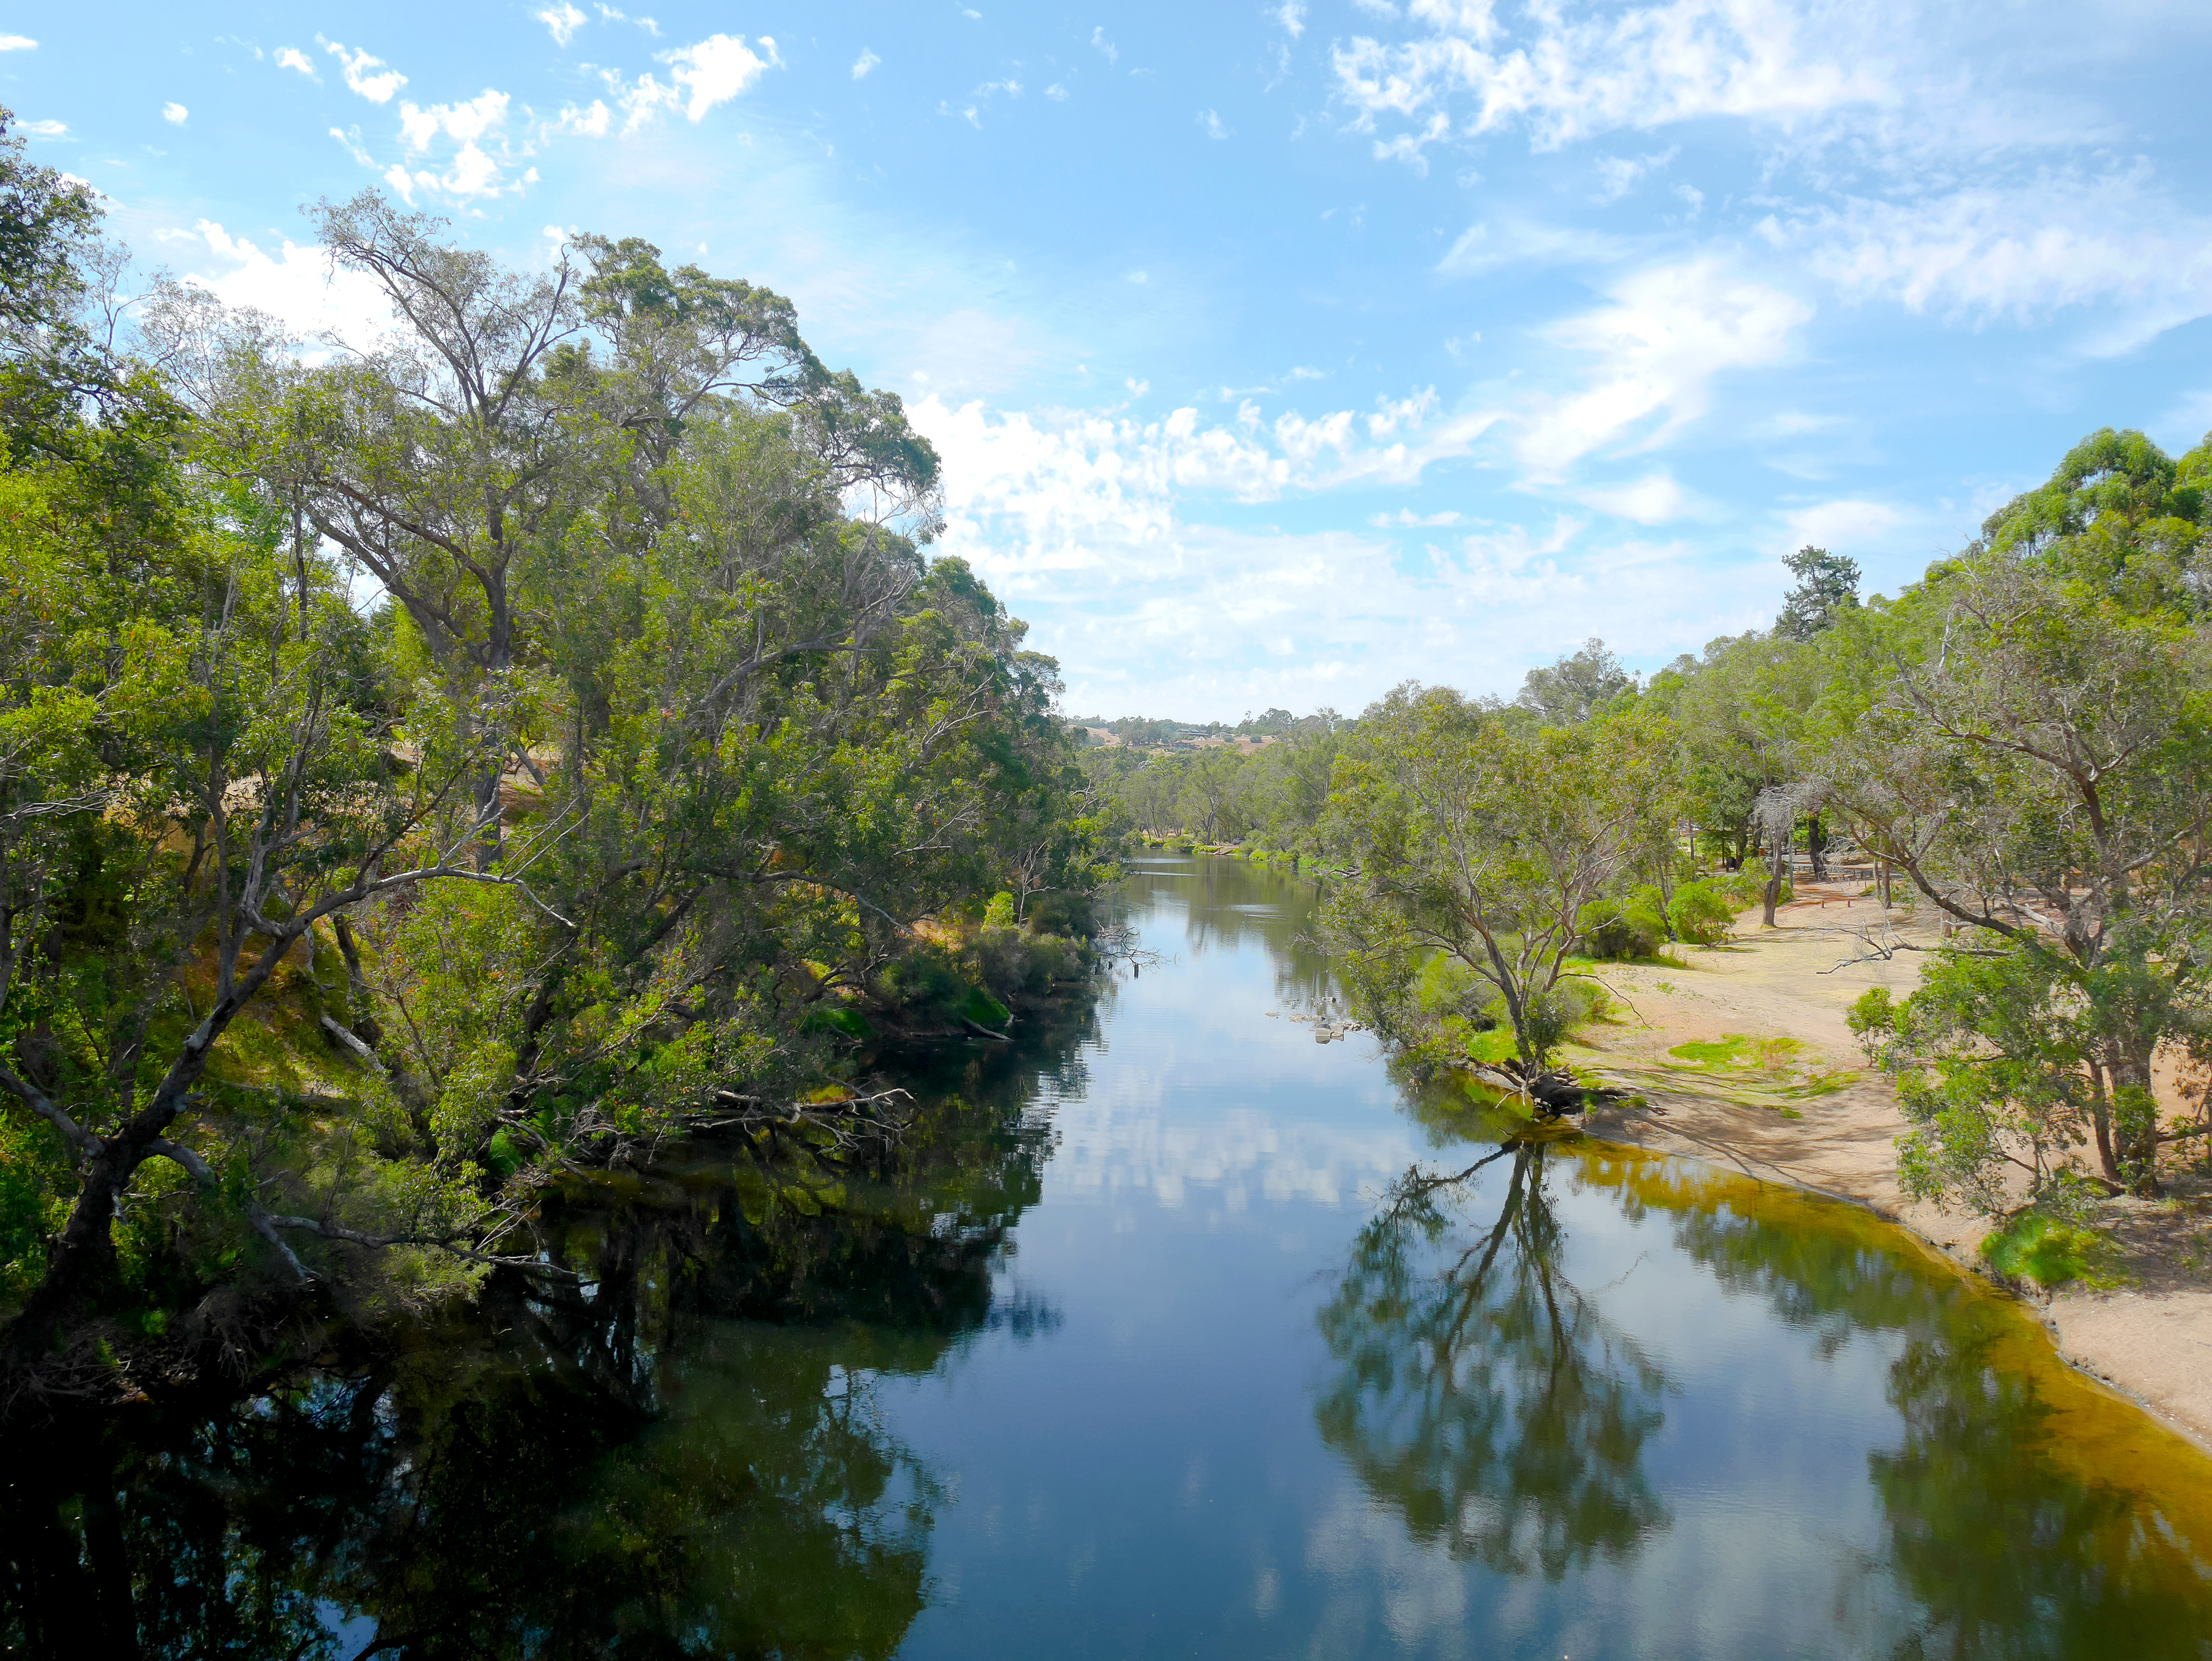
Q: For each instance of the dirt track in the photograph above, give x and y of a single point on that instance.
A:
(1807, 1111)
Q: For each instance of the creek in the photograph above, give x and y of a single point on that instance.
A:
(1169, 1331)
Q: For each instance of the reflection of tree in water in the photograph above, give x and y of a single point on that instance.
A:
(1996, 1544)
(1481, 1393)
(1230, 903)
(677, 1455)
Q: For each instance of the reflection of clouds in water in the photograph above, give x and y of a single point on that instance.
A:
(1730, 1576)
(1363, 1552)
(1120, 1139)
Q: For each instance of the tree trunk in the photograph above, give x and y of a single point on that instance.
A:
(1816, 843)
(2135, 1124)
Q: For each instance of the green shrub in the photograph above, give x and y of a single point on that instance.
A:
(2048, 1251)
(1633, 925)
(1700, 913)
(1000, 913)
(840, 1018)
(1071, 915)
(981, 1007)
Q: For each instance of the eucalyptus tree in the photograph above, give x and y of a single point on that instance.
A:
(1577, 686)
(506, 414)
(668, 733)
(1483, 837)
(1738, 715)
(185, 794)
(2038, 764)
(1827, 587)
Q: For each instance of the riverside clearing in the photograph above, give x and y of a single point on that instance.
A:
(1745, 1057)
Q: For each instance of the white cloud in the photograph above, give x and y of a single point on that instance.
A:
(561, 21)
(1210, 125)
(718, 69)
(1638, 67)
(706, 73)
(17, 43)
(2020, 251)
(1101, 44)
(1292, 14)
(1057, 93)
(291, 58)
(1408, 147)
(484, 113)
(1840, 524)
(1137, 388)
(353, 145)
(867, 61)
(1383, 9)
(1518, 242)
(298, 286)
(1405, 517)
(368, 76)
(175, 114)
(1619, 174)
(591, 122)
(1080, 521)
(45, 129)
(1660, 339)
(1654, 499)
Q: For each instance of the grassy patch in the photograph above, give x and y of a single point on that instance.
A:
(1774, 1064)
(1756, 1072)
(2052, 1253)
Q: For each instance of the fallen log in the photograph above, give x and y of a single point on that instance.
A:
(1551, 1091)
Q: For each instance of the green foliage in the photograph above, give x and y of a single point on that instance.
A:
(1701, 913)
(654, 760)
(2052, 1252)
(1634, 925)
(1483, 836)
(1827, 587)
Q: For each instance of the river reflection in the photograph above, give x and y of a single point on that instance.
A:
(1172, 1332)
(1485, 1396)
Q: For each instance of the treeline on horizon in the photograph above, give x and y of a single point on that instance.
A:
(666, 776)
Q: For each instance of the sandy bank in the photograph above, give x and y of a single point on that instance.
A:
(1806, 1110)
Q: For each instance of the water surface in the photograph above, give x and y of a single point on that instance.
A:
(1173, 1333)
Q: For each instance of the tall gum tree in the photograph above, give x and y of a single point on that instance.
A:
(2035, 757)
(1481, 834)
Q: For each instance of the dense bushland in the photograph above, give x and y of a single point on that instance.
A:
(430, 764)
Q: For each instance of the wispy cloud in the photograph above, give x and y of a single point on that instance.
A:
(291, 58)
(175, 114)
(366, 75)
(1640, 67)
(1657, 342)
(561, 21)
(867, 60)
(1211, 125)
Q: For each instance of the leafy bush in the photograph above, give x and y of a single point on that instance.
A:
(1700, 913)
(2050, 1251)
(1633, 925)
(1000, 913)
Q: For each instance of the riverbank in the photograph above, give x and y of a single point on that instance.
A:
(1746, 1060)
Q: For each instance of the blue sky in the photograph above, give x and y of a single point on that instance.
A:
(1278, 353)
